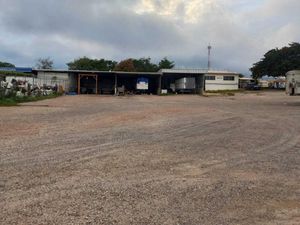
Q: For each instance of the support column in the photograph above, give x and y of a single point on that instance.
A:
(116, 84)
(202, 84)
(159, 85)
(96, 84)
(199, 84)
(78, 84)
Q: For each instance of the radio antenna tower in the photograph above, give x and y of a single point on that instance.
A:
(209, 63)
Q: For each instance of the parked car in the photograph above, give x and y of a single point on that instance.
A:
(252, 86)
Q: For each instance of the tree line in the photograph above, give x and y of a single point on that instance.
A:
(128, 65)
(277, 62)
(85, 63)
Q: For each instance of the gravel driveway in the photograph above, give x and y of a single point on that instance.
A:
(152, 160)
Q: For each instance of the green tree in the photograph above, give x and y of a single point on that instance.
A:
(277, 62)
(144, 65)
(126, 65)
(166, 64)
(86, 63)
(44, 63)
(6, 64)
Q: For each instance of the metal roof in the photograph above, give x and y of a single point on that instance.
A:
(190, 71)
(24, 69)
(222, 72)
(17, 69)
(159, 73)
(95, 71)
(197, 71)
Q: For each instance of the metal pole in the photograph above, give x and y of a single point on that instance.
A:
(209, 63)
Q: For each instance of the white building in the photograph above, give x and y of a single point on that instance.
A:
(215, 80)
(221, 80)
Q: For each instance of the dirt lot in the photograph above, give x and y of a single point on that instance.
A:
(151, 160)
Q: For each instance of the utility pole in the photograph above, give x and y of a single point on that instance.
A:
(209, 63)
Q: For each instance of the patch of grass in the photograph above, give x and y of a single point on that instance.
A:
(7, 102)
(14, 101)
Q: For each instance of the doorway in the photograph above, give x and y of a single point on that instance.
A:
(87, 84)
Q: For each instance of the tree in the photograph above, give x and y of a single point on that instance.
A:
(126, 65)
(86, 63)
(6, 64)
(277, 62)
(144, 65)
(44, 63)
(166, 64)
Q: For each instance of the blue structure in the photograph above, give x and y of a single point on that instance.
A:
(17, 69)
(7, 69)
(24, 69)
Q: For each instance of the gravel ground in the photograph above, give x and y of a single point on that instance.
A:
(151, 160)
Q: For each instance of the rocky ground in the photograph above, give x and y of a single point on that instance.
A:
(152, 160)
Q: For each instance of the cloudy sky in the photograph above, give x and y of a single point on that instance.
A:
(240, 31)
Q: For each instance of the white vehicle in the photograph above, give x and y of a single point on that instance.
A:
(185, 85)
(293, 82)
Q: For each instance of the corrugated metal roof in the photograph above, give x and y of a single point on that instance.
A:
(190, 71)
(197, 71)
(160, 72)
(221, 72)
(95, 71)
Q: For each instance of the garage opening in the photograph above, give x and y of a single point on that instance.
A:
(87, 84)
(138, 84)
(106, 83)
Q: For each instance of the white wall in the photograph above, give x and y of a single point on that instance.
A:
(47, 78)
(23, 78)
(50, 75)
(293, 77)
(220, 84)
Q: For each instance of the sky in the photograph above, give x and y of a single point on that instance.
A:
(239, 31)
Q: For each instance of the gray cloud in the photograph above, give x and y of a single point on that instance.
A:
(96, 22)
(239, 32)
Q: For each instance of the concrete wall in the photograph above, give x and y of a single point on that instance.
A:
(220, 84)
(73, 80)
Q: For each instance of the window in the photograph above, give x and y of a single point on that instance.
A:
(210, 77)
(228, 78)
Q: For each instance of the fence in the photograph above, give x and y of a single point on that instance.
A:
(25, 85)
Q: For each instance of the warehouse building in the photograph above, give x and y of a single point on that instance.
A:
(164, 81)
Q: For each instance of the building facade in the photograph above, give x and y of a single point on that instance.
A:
(163, 81)
(221, 80)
